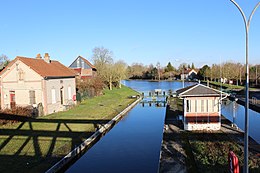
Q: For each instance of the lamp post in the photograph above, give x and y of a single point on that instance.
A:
(247, 25)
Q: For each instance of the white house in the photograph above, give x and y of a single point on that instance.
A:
(30, 81)
(201, 107)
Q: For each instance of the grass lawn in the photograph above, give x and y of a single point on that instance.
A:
(231, 87)
(35, 145)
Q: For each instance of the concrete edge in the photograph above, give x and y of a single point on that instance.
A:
(79, 149)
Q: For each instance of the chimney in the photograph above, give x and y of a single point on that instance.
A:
(47, 58)
(38, 56)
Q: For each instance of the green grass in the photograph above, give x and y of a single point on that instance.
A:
(231, 87)
(36, 145)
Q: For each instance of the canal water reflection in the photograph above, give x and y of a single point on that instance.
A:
(238, 111)
(133, 145)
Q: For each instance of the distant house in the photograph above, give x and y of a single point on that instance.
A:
(188, 74)
(83, 68)
(201, 107)
(33, 81)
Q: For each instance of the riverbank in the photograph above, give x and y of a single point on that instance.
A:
(238, 94)
(37, 144)
(184, 151)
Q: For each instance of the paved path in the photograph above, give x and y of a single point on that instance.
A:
(172, 153)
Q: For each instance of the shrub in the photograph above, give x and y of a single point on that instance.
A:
(17, 113)
(90, 87)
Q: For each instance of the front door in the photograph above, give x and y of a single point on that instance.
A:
(12, 99)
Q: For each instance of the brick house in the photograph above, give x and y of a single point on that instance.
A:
(30, 81)
(83, 68)
(201, 107)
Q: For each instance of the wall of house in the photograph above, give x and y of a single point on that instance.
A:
(53, 90)
(202, 104)
(20, 79)
(201, 113)
(206, 126)
(86, 72)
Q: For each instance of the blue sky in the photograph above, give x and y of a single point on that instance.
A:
(176, 31)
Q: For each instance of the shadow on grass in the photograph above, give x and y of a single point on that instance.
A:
(16, 143)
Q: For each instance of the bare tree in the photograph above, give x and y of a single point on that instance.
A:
(136, 70)
(103, 61)
(4, 60)
(120, 71)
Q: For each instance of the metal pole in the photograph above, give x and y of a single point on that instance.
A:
(183, 77)
(256, 75)
(247, 24)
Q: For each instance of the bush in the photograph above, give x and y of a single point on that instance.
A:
(90, 87)
(13, 115)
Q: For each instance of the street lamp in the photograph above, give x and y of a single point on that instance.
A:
(247, 25)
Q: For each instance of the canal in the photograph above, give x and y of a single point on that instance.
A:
(133, 145)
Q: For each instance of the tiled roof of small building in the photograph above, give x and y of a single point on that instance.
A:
(198, 90)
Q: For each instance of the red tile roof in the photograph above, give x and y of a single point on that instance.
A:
(52, 69)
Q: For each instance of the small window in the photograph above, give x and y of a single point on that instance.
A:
(207, 105)
(188, 105)
(32, 97)
(202, 105)
(69, 93)
(196, 104)
(213, 105)
(53, 96)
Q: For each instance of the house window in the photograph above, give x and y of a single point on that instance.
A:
(213, 105)
(196, 104)
(53, 96)
(207, 105)
(69, 93)
(188, 106)
(78, 64)
(202, 106)
(32, 97)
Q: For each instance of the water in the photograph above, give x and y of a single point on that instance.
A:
(239, 112)
(134, 144)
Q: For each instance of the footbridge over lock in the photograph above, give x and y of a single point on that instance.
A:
(156, 97)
